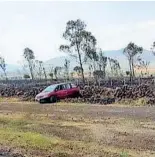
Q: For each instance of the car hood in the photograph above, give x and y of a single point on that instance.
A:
(42, 94)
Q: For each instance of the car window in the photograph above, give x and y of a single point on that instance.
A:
(68, 86)
(50, 88)
(73, 85)
(61, 87)
(57, 88)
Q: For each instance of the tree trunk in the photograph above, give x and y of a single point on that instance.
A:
(31, 70)
(5, 75)
(133, 71)
(81, 66)
(130, 70)
(45, 74)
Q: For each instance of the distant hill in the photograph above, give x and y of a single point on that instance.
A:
(59, 61)
(116, 54)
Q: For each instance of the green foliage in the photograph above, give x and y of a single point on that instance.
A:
(137, 102)
(124, 154)
(78, 70)
(131, 52)
(81, 42)
(3, 66)
(29, 56)
(51, 75)
(26, 76)
(115, 67)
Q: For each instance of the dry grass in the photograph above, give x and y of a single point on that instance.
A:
(131, 102)
(72, 130)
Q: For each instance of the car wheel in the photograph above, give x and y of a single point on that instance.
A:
(53, 99)
(41, 101)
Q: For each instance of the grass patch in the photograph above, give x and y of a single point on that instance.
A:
(124, 154)
(27, 140)
(131, 102)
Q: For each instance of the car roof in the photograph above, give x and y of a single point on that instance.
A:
(61, 83)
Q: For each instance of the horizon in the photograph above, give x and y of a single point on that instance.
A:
(35, 25)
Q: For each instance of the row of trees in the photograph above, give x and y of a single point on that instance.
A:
(82, 45)
(37, 68)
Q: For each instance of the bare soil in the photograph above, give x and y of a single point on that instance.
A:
(76, 130)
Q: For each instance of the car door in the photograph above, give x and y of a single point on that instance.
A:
(61, 92)
(71, 91)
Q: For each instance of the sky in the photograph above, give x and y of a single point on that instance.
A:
(40, 25)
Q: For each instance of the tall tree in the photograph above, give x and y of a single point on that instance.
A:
(29, 56)
(66, 68)
(131, 52)
(115, 67)
(39, 68)
(102, 62)
(3, 66)
(79, 42)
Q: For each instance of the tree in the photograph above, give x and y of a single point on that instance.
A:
(57, 71)
(127, 73)
(131, 52)
(102, 63)
(143, 66)
(80, 42)
(72, 75)
(153, 48)
(90, 68)
(51, 75)
(29, 56)
(115, 67)
(26, 76)
(44, 71)
(78, 70)
(98, 74)
(3, 66)
(66, 67)
(39, 68)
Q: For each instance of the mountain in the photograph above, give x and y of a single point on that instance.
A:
(116, 54)
(59, 61)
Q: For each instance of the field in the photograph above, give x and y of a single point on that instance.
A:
(76, 130)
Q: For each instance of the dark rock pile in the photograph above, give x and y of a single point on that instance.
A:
(136, 92)
(103, 95)
(92, 94)
(25, 93)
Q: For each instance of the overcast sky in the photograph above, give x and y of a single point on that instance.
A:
(39, 25)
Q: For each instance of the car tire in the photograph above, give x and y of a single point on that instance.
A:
(53, 99)
(41, 101)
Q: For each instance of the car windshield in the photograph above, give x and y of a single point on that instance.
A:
(50, 88)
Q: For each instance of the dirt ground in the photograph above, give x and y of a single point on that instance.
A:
(76, 130)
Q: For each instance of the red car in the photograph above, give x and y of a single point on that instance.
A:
(55, 92)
